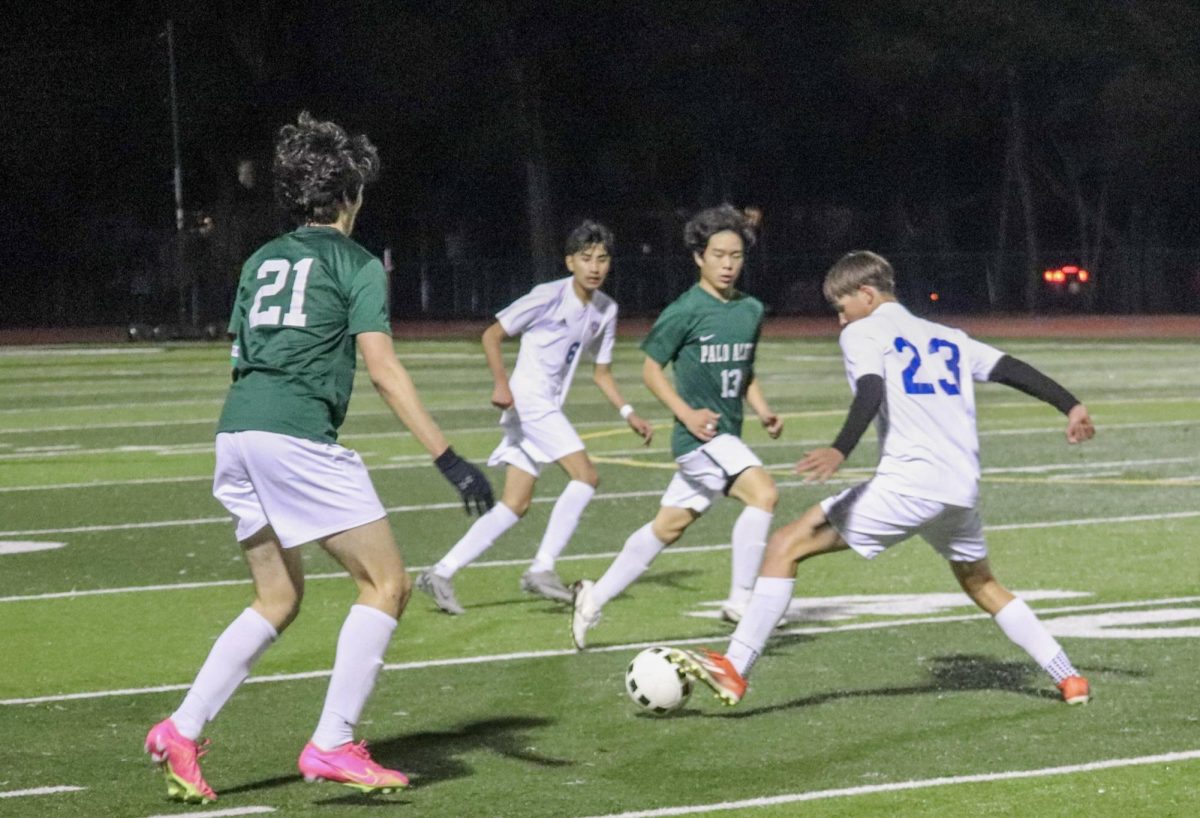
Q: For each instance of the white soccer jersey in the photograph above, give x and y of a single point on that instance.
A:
(555, 329)
(929, 446)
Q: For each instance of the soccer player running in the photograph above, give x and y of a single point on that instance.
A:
(917, 377)
(708, 335)
(306, 301)
(557, 321)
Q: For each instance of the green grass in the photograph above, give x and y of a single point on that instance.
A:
(109, 451)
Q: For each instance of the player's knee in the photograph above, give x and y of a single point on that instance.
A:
(518, 505)
(590, 476)
(392, 593)
(792, 543)
(670, 524)
(280, 607)
(766, 497)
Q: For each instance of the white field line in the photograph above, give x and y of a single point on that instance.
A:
(421, 460)
(222, 583)
(229, 812)
(621, 495)
(460, 661)
(41, 791)
(918, 784)
(206, 446)
(473, 406)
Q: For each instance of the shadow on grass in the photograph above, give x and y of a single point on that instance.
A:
(430, 757)
(958, 672)
(437, 756)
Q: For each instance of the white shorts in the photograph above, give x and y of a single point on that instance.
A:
(528, 444)
(303, 489)
(872, 519)
(708, 471)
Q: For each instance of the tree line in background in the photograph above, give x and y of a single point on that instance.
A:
(980, 143)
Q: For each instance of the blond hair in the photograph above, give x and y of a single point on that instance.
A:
(856, 269)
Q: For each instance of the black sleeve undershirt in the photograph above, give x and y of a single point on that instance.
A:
(1016, 373)
(868, 397)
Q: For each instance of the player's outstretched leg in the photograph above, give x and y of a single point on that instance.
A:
(438, 581)
(178, 757)
(350, 765)
(1021, 625)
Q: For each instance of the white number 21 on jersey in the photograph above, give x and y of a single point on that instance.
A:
(261, 316)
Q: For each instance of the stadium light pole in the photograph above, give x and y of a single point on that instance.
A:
(175, 126)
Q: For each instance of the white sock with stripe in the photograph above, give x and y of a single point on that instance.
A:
(228, 664)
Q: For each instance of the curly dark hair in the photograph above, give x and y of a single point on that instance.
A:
(707, 223)
(318, 167)
(587, 233)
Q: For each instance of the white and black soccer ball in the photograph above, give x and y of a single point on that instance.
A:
(655, 684)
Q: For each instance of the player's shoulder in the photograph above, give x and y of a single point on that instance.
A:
(341, 254)
(603, 302)
(549, 290)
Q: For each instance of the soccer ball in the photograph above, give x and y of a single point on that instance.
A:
(655, 684)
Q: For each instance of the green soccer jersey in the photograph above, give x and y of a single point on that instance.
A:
(710, 344)
(301, 300)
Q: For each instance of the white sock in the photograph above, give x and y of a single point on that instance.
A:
(361, 644)
(749, 541)
(770, 601)
(636, 555)
(228, 664)
(479, 538)
(563, 520)
(1021, 625)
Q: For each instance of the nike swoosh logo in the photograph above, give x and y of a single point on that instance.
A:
(704, 338)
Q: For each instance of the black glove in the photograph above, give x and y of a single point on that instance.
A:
(472, 486)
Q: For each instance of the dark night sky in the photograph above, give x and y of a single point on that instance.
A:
(884, 124)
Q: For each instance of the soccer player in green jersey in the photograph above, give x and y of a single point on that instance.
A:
(708, 335)
(306, 302)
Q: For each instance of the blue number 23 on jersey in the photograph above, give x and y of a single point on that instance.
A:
(912, 386)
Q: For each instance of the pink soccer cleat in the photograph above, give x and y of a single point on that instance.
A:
(351, 765)
(178, 756)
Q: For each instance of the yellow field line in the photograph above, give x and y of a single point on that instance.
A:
(618, 430)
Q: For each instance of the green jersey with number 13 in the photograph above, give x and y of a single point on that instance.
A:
(301, 300)
(710, 344)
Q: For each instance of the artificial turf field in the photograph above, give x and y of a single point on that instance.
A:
(887, 694)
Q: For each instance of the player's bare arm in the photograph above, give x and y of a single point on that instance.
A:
(493, 337)
(394, 385)
(603, 378)
(772, 422)
(820, 464)
(391, 380)
(702, 423)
